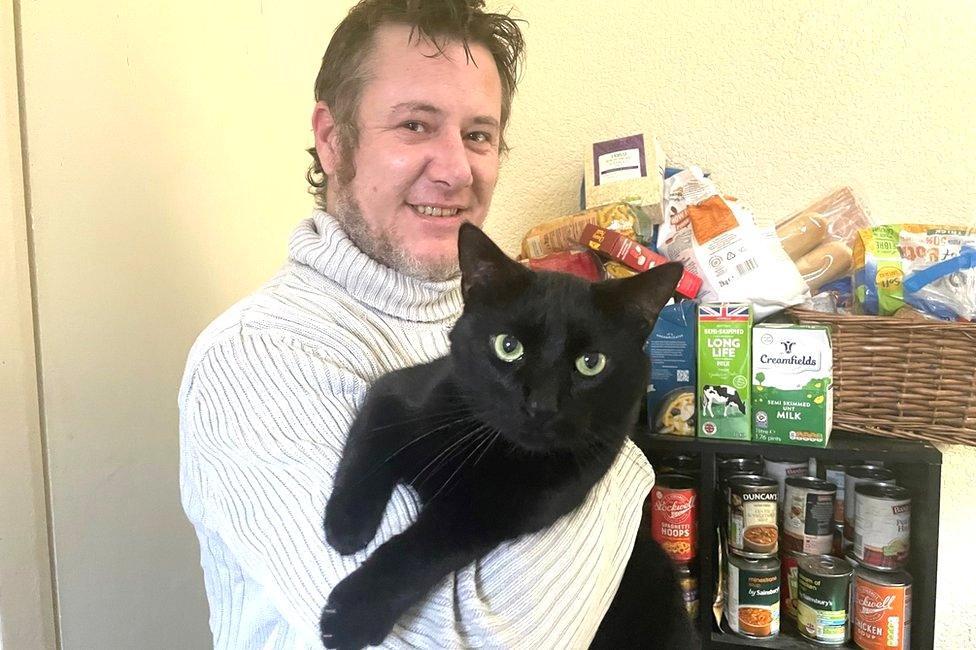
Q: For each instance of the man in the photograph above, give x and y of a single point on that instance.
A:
(413, 99)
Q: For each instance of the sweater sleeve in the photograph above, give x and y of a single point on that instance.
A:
(263, 423)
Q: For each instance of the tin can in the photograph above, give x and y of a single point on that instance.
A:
(883, 526)
(835, 474)
(688, 581)
(808, 515)
(823, 584)
(853, 477)
(787, 585)
(881, 605)
(752, 596)
(753, 531)
(674, 516)
(725, 469)
(679, 464)
(782, 470)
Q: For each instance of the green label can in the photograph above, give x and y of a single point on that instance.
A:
(823, 587)
(752, 597)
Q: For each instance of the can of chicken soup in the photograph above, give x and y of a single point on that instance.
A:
(881, 604)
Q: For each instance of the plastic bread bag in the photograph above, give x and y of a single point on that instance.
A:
(719, 241)
(820, 238)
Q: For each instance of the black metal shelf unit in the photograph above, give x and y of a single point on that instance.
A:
(918, 466)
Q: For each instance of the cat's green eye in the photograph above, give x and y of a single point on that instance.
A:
(591, 363)
(507, 347)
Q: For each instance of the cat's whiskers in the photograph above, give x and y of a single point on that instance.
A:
(439, 415)
(486, 435)
(452, 422)
(445, 454)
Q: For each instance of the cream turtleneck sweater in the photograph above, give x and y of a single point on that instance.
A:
(269, 392)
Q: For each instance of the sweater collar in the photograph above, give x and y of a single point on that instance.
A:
(321, 243)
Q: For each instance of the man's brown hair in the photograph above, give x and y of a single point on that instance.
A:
(342, 75)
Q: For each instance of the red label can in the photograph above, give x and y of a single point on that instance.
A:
(881, 606)
(674, 516)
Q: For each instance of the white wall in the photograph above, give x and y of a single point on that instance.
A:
(166, 169)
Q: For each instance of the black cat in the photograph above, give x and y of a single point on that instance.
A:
(542, 386)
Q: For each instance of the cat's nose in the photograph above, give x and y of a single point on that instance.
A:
(540, 411)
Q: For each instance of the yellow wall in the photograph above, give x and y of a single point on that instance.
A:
(166, 169)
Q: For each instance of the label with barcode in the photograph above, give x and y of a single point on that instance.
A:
(746, 267)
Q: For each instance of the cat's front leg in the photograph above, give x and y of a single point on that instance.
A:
(366, 476)
(363, 608)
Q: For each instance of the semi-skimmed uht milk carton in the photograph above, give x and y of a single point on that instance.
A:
(792, 384)
(724, 380)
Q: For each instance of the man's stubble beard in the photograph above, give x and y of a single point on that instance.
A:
(383, 246)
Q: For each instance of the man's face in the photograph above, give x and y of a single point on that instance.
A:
(427, 156)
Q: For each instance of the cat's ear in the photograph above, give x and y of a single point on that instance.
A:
(483, 264)
(646, 293)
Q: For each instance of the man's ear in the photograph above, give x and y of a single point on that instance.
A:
(326, 137)
(484, 266)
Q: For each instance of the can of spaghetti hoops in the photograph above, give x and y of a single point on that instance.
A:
(853, 477)
(808, 515)
(753, 531)
(881, 605)
(674, 516)
(752, 596)
(823, 585)
(882, 526)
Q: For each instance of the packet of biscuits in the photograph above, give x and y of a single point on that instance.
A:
(820, 238)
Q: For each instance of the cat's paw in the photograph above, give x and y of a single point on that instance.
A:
(355, 616)
(349, 527)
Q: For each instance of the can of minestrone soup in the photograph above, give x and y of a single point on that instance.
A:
(752, 596)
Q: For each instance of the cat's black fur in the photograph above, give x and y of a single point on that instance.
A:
(498, 449)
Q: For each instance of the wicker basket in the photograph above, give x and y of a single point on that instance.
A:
(902, 378)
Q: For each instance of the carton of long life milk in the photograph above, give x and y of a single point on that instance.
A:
(792, 387)
(724, 379)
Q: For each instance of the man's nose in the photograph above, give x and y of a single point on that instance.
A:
(450, 164)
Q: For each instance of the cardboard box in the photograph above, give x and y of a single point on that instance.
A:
(792, 386)
(671, 391)
(724, 376)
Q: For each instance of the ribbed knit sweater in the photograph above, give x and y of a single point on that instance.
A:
(269, 392)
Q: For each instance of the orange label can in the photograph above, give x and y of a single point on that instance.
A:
(882, 609)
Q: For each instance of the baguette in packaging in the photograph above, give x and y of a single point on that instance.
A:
(820, 237)
(564, 233)
(718, 240)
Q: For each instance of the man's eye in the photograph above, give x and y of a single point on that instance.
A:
(416, 127)
(480, 136)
